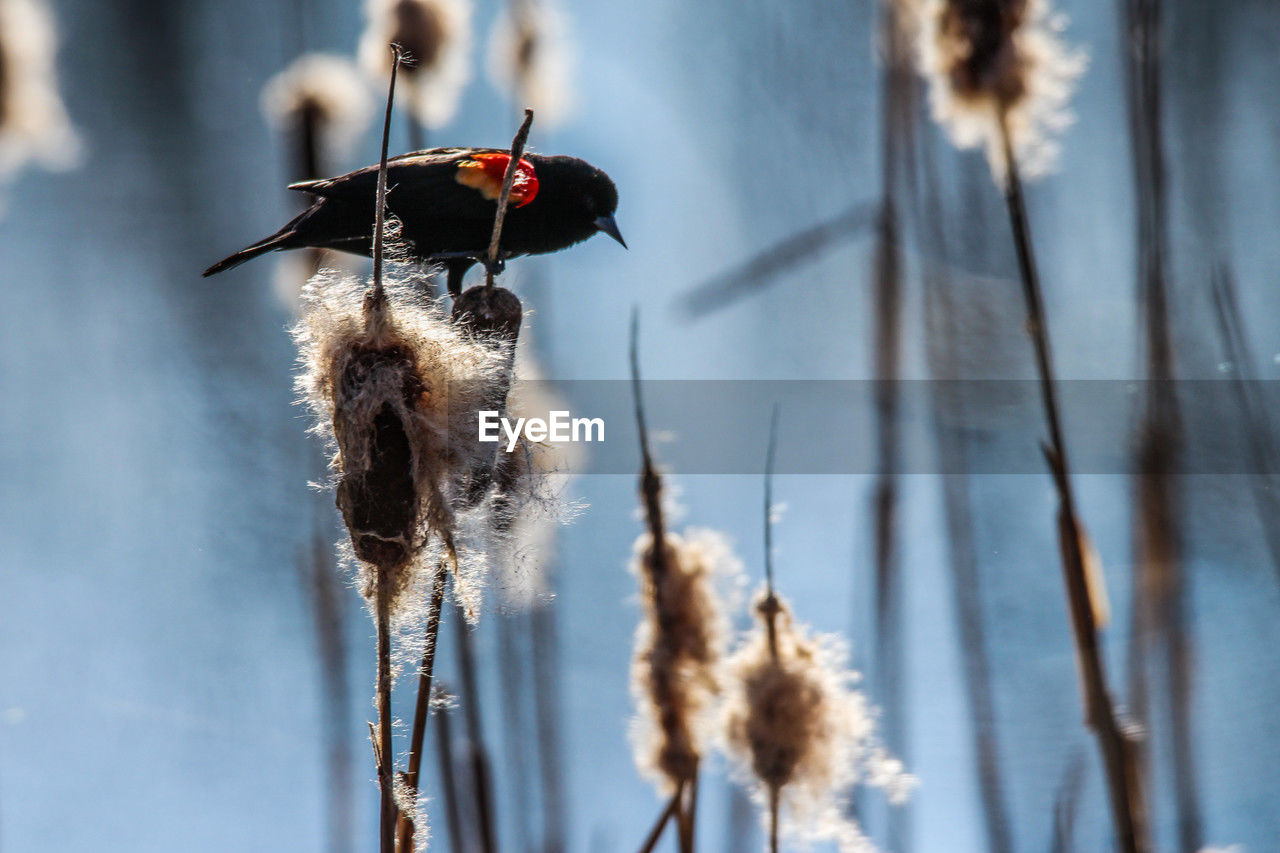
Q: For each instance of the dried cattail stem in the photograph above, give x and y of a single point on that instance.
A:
(504, 196)
(386, 779)
(425, 672)
(1083, 596)
(672, 808)
(448, 779)
(679, 643)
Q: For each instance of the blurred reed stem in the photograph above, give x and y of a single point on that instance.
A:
(477, 753)
(1120, 766)
(546, 665)
(895, 120)
(943, 353)
(448, 780)
(1264, 455)
(1159, 596)
(326, 601)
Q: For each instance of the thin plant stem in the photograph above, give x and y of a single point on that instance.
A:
(508, 179)
(771, 600)
(686, 815)
(448, 780)
(379, 210)
(423, 706)
(545, 664)
(388, 815)
(963, 560)
(1159, 599)
(774, 804)
(327, 603)
(650, 482)
(1118, 754)
(479, 757)
(673, 806)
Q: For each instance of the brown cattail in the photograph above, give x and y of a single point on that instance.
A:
(321, 89)
(994, 61)
(530, 58)
(322, 104)
(436, 36)
(795, 726)
(679, 648)
(33, 121)
(396, 387)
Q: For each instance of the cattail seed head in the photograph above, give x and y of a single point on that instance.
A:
(396, 387)
(436, 34)
(530, 58)
(795, 726)
(33, 121)
(993, 61)
(325, 90)
(679, 647)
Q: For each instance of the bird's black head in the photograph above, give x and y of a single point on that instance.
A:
(579, 192)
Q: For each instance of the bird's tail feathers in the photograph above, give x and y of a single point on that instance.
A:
(279, 240)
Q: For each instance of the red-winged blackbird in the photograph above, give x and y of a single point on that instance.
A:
(445, 199)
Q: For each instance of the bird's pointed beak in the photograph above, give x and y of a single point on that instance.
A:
(608, 226)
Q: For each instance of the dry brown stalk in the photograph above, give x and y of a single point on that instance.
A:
(672, 808)
(423, 706)
(508, 179)
(1119, 758)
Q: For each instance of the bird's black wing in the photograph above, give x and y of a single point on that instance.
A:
(425, 180)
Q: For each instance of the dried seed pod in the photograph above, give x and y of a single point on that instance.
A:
(530, 58)
(679, 647)
(33, 121)
(396, 386)
(323, 92)
(794, 726)
(993, 61)
(436, 34)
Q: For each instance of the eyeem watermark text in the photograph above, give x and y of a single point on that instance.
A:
(560, 428)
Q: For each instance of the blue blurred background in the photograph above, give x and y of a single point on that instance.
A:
(160, 679)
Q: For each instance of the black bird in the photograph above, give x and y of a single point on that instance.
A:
(445, 199)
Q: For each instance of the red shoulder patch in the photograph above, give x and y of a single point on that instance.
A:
(484, 173)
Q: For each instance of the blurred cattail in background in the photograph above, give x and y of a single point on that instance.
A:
(34, 126)
(436, 37)
(798, 730)
(1000, 77)
(322, 104)
(530, 58)
(994, 62)
(679, 647)
(323, 97)
(680, 642)
(792, 723)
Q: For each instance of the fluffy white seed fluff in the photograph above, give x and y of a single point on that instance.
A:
(34, 126)
(333, 86)
(439, 40)
(450, 377)
(984, 58)
(795, 724)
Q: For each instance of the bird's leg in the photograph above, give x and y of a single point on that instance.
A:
(457, 268)
(494, 267)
